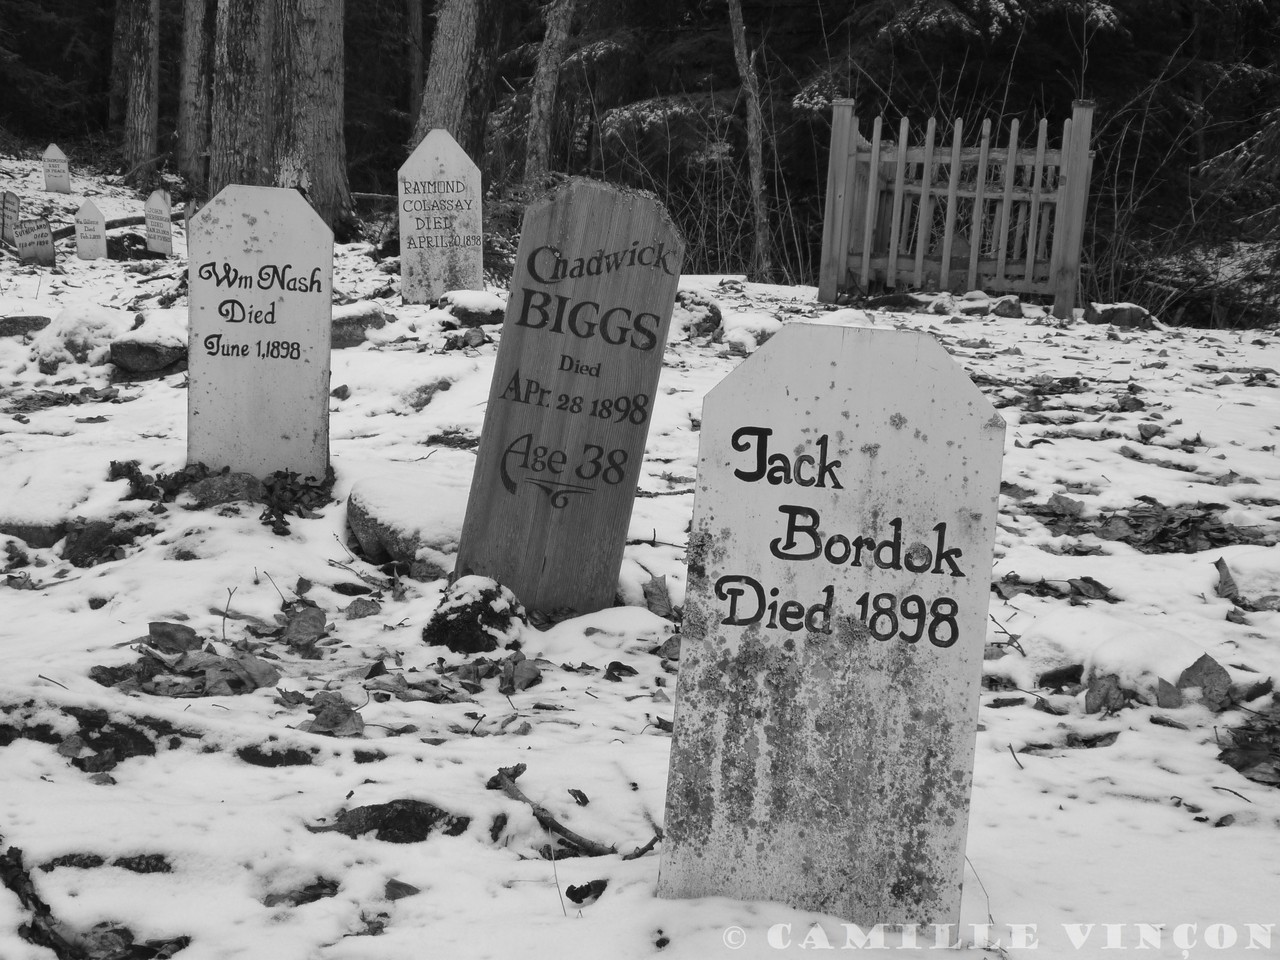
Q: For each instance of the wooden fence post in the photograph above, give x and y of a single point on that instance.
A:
(1076, 164)
(835, 225)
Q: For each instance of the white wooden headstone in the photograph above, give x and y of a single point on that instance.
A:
(440, 225)
(57, 173)
(158, 215)
(839, 572)
(91, 232)
(572, 397)
(34, 240)
(10, 215)
(261, 281)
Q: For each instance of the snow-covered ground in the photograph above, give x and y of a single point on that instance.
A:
(1163, 441)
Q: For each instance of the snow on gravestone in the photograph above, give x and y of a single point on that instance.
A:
(157, 214)
(834, 625)
(34, 240)
(261, 277)
(91, 232)
(572, 396)
(440, 229)
(10, 214)
(57, 173)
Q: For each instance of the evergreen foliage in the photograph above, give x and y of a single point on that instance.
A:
(1186, 131)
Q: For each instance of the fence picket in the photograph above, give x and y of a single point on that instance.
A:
(979, 214)
(895, 229)
(924, 213)
(873, 197)
(953, 183)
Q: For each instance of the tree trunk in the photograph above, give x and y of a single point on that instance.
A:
(761, 256)
(117, 91)
(142, 88)
(456, 94)
(417, 55)
(308, 147)
(558, 17)
(240, 119)
(199, 18)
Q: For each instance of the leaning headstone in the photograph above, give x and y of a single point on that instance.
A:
(10, 214)
(91, 232)
(839, 571)
(261, 278)
(158, 215)
(440, 228)
(572, 396)
(34, 240)
(57, 173)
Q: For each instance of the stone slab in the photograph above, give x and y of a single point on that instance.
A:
(261, 281)
(834, 627)
(441, 234)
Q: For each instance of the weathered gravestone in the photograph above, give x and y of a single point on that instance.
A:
(10, 215)
(57, 173)
(839, 569)
(261, 277)
(34, 240)
(91, 232)
(572, 396)
(158, 214)
(440, 228)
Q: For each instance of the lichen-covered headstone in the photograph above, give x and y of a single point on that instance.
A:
(91, 232)
(440, 226)
(10, 215)
(261, 280)
(57, 172)
(572, 397)
(839, 571)
(158, 213)
(34, 240)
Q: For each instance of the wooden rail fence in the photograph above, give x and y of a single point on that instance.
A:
(1007, 219)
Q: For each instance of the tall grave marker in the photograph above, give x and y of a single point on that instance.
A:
(91, 232)
(572, 396)
(57, 173)
(261, 279)
(440, 227)
(34, 240)
(834, 625)
(158, 215)
(10, 215)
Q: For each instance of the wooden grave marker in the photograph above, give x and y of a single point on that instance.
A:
(158, 215)
(839, 574)
(34, 240)
(10, 215)
(91, 232)
(57, 172)
(572, 396)
(261, 280)
(440, 227)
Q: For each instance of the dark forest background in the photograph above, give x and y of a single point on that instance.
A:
(1184, 215)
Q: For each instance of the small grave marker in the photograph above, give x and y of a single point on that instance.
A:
(57, 173)
(261, 279)
(572, 396)
(158, 215)
(10, 215)
(440, 227)
(91, 232)
(834, 626)
(34, 240)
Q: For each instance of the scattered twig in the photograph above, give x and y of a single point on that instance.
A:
(1226, 789)
(273, 583)
(639, 852)
(504, 780)
(231, 591)
(350, 556)
(1015, 758)
(41, 676)
(555, 874)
